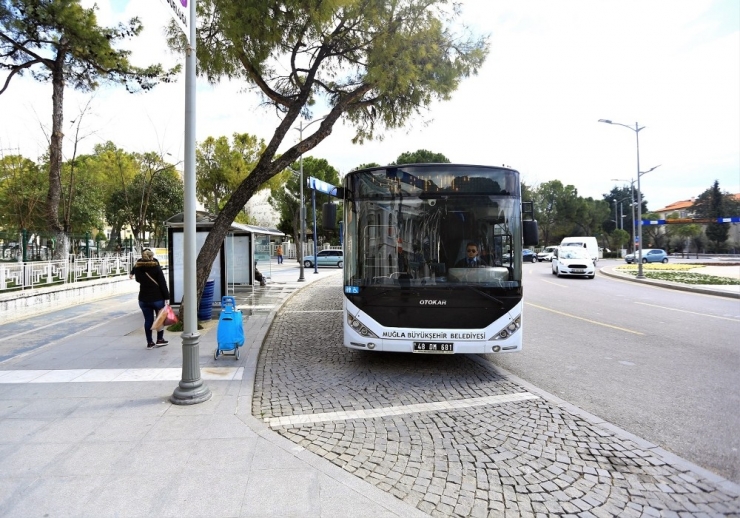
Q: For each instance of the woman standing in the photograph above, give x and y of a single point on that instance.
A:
(153, 294)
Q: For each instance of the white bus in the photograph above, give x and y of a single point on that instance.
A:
(408, 230)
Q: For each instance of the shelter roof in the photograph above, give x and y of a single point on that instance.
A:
(205, 220)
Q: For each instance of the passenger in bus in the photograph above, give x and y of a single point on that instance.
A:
(471, 259)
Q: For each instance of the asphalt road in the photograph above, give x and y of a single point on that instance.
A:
(661, 364)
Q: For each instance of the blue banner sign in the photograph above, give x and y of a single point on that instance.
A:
(321, 186)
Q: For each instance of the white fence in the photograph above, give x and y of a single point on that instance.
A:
(20, 275)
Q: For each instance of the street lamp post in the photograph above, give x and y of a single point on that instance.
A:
(315, 246)
(636, 129)
(301, 277)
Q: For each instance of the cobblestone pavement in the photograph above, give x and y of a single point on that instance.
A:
(452, 436)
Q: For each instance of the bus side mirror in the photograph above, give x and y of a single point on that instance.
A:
(531, 233)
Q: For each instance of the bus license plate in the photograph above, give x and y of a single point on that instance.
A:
(433, 347)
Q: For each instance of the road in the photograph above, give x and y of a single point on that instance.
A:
(662, 364)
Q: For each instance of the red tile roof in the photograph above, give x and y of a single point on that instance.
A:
(677, 205)
(685, 204)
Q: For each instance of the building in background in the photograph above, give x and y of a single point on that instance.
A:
(260, 209)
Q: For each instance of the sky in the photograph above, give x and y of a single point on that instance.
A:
(555, 68)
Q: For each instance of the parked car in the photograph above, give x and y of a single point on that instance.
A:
(529, 256)
(649, 255)
(573, 260)
(325, 258)
(546, 254)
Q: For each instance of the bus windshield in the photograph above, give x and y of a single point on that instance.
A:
(432, 225)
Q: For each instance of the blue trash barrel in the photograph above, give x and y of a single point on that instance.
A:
(205, 308)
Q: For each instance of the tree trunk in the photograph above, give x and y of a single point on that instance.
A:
(263, 171)
(55, 162)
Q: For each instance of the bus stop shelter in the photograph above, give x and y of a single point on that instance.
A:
(244, 247)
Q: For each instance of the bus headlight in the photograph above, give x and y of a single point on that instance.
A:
(358, 326)
(513, 326)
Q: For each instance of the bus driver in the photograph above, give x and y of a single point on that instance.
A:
(471, 260)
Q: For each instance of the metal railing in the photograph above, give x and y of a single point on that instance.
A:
(17, 276)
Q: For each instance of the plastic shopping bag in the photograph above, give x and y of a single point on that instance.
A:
(170, 316)
(159, 322)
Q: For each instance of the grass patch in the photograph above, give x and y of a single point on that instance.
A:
(660, 266)
(686, 277)
(677, 273)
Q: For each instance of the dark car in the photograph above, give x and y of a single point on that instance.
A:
(649, 255)
(529, 256)
(326, 258)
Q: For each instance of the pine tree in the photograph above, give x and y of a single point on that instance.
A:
(60, 42)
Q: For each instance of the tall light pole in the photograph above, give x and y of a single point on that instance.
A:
(636, 129)
(315, 247)
(301, 278)
(191, 389)
(301, 127)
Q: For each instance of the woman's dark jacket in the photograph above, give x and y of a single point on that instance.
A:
(150, 291)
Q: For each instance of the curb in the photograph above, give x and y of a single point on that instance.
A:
(607, 271)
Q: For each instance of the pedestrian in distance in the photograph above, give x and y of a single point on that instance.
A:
(279, 252)
(153, 294)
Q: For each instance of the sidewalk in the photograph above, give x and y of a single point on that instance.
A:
(87, 429)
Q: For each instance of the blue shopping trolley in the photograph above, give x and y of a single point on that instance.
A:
(230, 334)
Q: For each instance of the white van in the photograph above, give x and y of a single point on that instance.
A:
(589, 243)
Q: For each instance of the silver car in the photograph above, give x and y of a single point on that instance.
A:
(649, 255)
(325, 258)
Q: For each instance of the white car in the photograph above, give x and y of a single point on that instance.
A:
(546, 254)
(573, 260)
